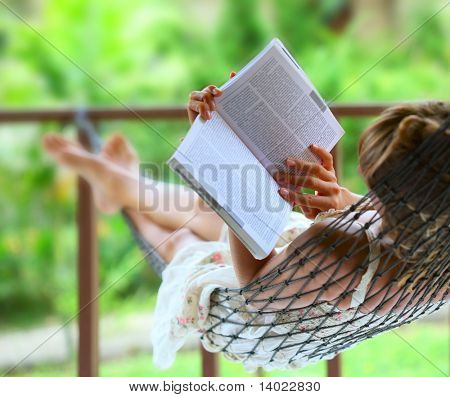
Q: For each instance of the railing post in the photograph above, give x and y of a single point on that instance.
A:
(87, 279)
(210, 363)
(334, 365)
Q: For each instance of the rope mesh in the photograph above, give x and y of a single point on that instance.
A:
(304, 309)
(262, 320)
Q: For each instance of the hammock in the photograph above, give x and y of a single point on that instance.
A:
(417, 262)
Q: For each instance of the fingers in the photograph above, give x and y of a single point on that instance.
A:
(202, 102)
(308, 181)
(213, 90)
(232, 74)
(196, 95)
(325, 157)
(310, 213)
(307, 200)
(309, 168)
(201, 108)
(208, 98)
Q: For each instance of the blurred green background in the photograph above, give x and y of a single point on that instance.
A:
(153, 53)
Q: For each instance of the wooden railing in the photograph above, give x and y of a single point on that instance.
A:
(88, 289)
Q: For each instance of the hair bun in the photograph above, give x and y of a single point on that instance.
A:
(413, 129)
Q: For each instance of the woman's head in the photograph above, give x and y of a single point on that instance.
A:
(383, 147)
(395, 134)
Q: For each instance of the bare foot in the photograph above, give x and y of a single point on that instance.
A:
(101, 172)
(119, 151)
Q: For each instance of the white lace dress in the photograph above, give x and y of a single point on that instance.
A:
(183, 309)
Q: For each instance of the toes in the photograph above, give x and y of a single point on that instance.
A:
(112, 144)
(117, 148)
(126, 149)
(118, 140)
(57, 143)
(47, 140)
(52, 142)
(121, 146)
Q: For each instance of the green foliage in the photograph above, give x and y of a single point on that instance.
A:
(151, 52)
(239, 40)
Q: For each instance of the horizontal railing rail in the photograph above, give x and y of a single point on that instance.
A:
(157, 112)
(88, 354)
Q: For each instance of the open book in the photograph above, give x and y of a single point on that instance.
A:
(269, 111)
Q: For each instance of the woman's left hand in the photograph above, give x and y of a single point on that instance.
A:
(319, 177)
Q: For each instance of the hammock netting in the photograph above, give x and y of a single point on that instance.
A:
(261, 319)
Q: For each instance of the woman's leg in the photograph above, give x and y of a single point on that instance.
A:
(166, 242)
(168, 205)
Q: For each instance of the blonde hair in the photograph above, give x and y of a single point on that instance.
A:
(382, 147)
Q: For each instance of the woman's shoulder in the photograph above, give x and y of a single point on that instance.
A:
(332, 238)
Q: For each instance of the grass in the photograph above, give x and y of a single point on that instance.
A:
(415, 350)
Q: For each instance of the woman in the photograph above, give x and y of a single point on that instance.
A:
(205, 256)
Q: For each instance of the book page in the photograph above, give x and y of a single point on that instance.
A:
(228, 176)
(275, 110)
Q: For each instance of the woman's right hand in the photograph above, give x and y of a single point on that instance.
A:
(202, 102)
(319, 177)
